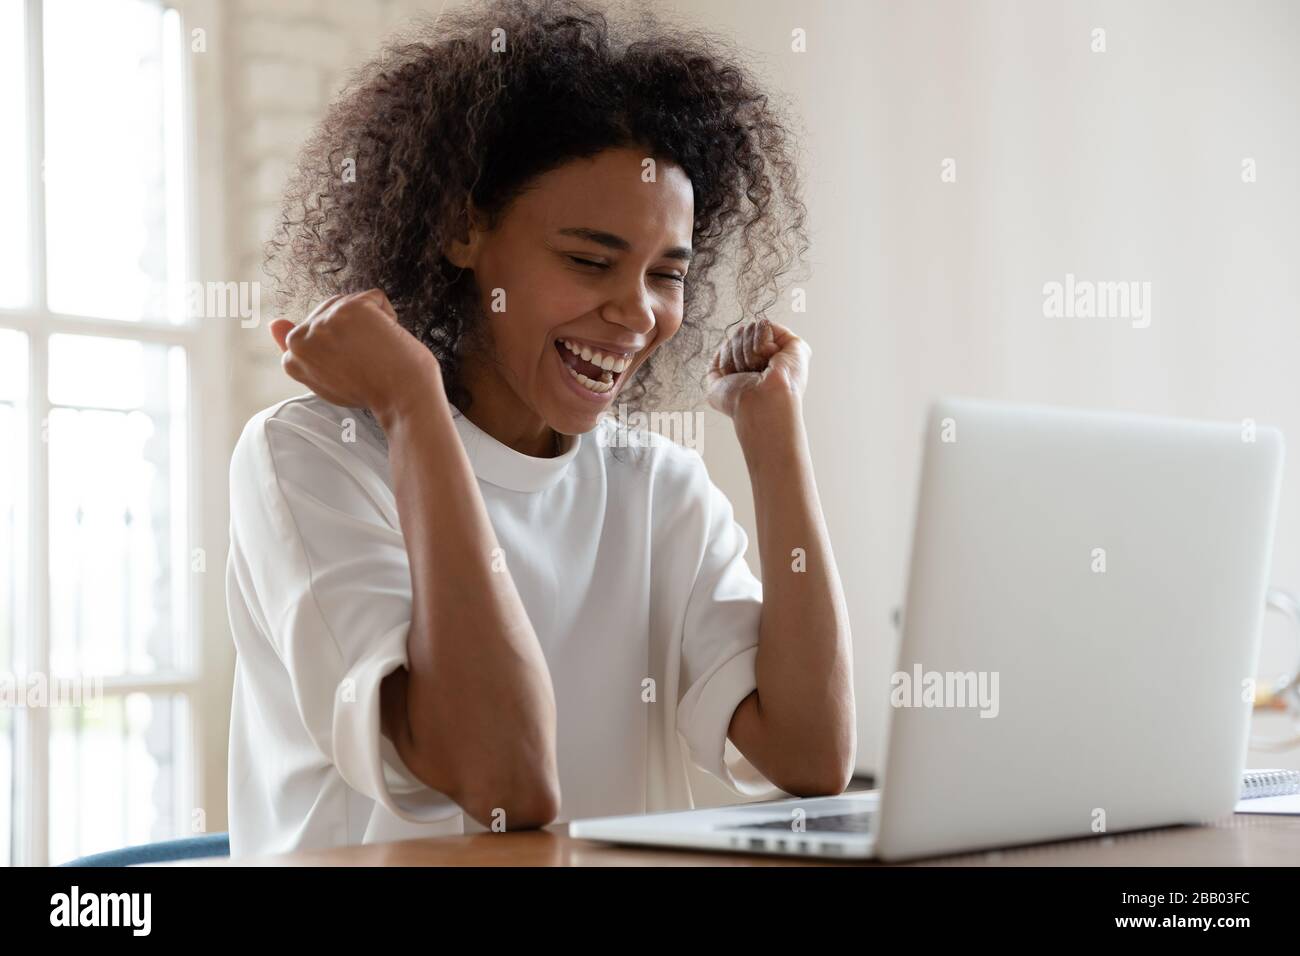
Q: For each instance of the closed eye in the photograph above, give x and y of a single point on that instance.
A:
(671, 277)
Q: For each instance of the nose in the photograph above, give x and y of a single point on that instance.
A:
(632, 308)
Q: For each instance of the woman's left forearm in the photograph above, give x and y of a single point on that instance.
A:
(803, 709)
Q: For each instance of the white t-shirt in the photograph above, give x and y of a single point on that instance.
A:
(628, 562)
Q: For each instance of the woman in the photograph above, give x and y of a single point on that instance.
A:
(463, 596)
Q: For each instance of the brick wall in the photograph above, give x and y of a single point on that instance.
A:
(285, 60)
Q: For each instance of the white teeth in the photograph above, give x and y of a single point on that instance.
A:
(607, 363)
(589, 384)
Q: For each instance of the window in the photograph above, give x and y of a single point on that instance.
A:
(99, 654)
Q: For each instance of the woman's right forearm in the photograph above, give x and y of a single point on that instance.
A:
(478, 721)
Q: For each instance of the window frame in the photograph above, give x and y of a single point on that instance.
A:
(204, 344)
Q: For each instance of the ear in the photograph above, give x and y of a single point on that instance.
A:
(463, 246)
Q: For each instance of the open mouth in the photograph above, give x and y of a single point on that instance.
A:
(598, 372)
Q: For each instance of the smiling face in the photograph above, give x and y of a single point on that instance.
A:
(580, 281)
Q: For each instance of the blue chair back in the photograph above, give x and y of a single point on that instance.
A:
(188, 848)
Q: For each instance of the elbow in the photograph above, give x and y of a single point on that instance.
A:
(517, 789)
(519, 792)
(526, 802)
(503, 784)
(818, 773)
(512, 796)
(816, 785)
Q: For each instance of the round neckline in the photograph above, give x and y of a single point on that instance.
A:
(500, 465)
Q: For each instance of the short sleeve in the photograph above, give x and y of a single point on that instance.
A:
(720, 646)
(326, 574)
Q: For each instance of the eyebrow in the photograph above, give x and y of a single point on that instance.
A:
(611, 241)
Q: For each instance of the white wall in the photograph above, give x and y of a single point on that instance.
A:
(1122, 165)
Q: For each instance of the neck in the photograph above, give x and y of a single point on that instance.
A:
(495, 409)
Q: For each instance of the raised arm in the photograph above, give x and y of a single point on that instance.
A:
(473, 714)
(798, 727)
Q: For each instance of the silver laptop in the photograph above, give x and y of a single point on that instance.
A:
(1081, 628)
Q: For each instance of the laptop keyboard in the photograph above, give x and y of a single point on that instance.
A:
(835, 823)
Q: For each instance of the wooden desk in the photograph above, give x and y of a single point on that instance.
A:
(1238, 840)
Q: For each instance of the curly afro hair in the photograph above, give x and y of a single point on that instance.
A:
(443, 116)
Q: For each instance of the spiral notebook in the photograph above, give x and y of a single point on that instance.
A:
(1270, 791)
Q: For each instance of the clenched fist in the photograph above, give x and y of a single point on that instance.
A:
(761, 358)
(351, 351)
